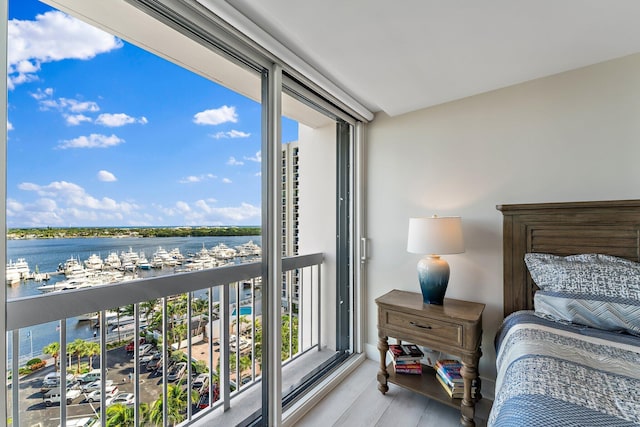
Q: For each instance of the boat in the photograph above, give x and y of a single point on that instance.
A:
(162, 258)
(95, 316)
(12, 275)
(17, 271)
(175, 254)
(222, 251)
(129, 259)
(143, 262)
(249, 249)
(113, 260)
(65, 285)
(94, 262)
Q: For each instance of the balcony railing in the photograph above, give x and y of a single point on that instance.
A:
(205, 326)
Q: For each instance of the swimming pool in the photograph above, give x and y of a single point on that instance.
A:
(244, 311)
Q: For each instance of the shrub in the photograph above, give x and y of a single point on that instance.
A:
(34, 361)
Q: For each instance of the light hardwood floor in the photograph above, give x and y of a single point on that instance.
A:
(356, 402)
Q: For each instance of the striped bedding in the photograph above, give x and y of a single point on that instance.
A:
(553, 374)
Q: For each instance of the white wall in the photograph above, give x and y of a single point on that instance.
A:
(569, 137)
(318, 214)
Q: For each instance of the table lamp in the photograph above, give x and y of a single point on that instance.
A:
(432, 237)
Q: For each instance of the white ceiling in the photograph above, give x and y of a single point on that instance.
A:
(406, 55)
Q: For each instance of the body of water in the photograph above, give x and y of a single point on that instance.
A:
(47, 254)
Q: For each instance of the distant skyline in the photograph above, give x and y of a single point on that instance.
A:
(102, 133)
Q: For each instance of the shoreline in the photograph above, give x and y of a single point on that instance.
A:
(47, 233)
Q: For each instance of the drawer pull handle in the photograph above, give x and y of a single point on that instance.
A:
(419, 326)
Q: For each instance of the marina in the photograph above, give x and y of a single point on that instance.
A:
(114, 268)
(73, 263)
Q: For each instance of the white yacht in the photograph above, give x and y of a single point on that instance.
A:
(143, 262)
(16, 271)
(94, 262)
(249, 249)
(222, 251)
(113, 260)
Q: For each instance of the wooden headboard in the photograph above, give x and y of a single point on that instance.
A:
(606, 227)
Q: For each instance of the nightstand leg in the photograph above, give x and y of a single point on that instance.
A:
(383, 346)
(469, 373)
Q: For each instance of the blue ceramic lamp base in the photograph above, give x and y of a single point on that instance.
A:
(433, 274)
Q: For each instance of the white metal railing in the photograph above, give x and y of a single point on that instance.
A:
(303, 328)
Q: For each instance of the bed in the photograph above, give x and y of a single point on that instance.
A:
(568, 351)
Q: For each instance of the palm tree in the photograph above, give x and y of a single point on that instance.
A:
(120, 415)
(53, 350)
(176, 404)
(148, 308)
(286, 326)
(92, 349)
(77, 348)
(117, 310)
(199, 307)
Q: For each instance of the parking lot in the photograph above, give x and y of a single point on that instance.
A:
(33, 410)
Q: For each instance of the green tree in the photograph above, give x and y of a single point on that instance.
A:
(92, 349)
(199, 307)
(78, 349)
(148, 309)
(177, 399)
(120, 415)
(289, 323)
(53, 350)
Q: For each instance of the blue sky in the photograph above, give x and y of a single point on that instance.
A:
(102, 133)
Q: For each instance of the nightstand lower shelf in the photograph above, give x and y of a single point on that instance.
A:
(425, 384)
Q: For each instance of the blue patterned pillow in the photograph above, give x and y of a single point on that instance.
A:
(609, 314)
(600, 291)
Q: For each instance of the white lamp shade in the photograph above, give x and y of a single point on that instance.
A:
(435, 235)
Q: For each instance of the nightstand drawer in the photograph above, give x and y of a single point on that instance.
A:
(424, 327)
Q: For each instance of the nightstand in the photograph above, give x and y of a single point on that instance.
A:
(454, 328)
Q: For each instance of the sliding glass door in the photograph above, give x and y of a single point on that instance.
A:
(238, 192)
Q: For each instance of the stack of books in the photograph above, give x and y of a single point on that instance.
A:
(448, 374)
(406, 358)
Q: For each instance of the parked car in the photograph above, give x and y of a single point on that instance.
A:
(127, 399)
(81, 422)
(203, 402)
(89, 387)
(52, 380)
(155, 364)
(156, 355)
(55, 395)
(176, 371)
(200, 383)
(94, 396)
(90, 376)
(145, 348)
(130, 346)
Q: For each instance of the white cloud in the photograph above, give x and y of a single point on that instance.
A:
(257, 158)
(183, 207)
(216, 116)
(106, 176)
(76, 119)
(225, 215)
(9, 126)
(226, 180)
(233, 162)
(42, 94)
(230, 134)
(71, 105)
(52, 36)
(92, 141)
(64, 203)
(118, 119)
(196, 178)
